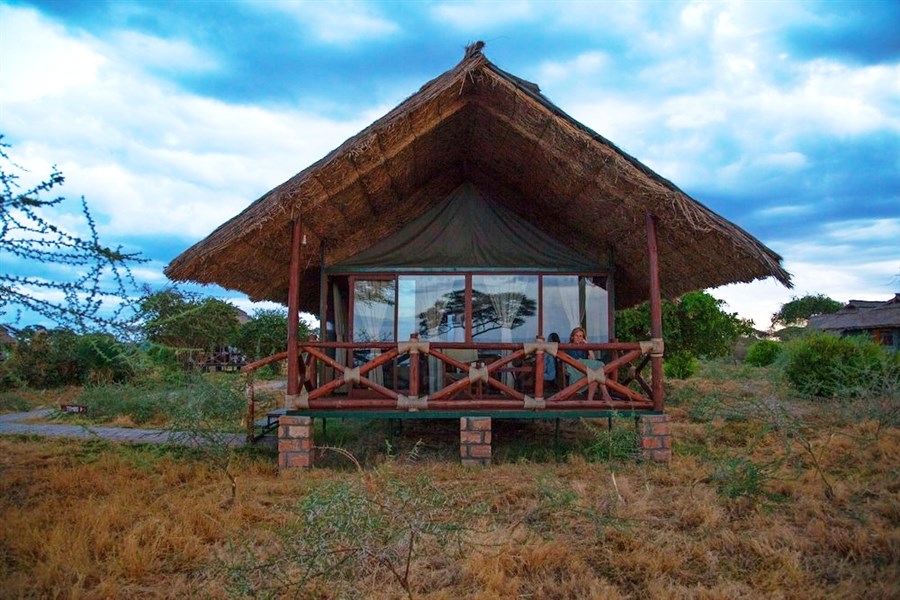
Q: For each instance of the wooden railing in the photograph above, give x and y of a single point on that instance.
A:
(505, 376)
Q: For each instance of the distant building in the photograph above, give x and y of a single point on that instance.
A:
(880, 319)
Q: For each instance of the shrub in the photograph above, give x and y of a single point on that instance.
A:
(44, 359)
(101, 359)
(762, 353)
(681, 365)
(827, 365)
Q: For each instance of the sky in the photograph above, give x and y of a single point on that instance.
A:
(172, 117)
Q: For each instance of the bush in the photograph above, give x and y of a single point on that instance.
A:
(680, 365)
(101, 359)
(44, 359)
(762, 353)
(826, 365)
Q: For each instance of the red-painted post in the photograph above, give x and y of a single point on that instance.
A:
(293, 383)
(656, 330)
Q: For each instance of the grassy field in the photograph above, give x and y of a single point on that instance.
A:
(767, 496)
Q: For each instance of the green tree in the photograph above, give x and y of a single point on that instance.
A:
(45, 358)
(799, 310)
(178, 319)
(695, 324)
(266, 333)
(91, 281)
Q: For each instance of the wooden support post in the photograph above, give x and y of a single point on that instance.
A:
(293, 383)
(656, 331)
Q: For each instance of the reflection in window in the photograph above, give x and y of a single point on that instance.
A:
(571, 301)
(434, 306)
(504, 308)
(373, 311)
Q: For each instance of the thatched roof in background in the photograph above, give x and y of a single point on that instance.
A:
(860, 315)
(479, 124)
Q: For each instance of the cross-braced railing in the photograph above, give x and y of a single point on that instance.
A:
(501, 376)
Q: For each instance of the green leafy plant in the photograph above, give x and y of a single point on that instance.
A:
(696, 323)
(740, 477)
(827, 365)
(762, 353)
(680, 365)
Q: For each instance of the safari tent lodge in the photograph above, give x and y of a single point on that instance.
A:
(443, 245)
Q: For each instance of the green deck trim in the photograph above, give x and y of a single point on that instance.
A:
(446, 414)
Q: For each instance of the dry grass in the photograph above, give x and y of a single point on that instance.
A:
(95, 520)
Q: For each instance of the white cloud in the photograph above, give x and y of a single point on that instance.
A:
(481, 16)
(150, 158)
(788, 210)
(338, 23)
(583, 65)
(867, 231)
(37, 58)
(175, 55)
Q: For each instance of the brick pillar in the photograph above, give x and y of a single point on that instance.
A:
(295, 442)
(655, 438)
(475, 440)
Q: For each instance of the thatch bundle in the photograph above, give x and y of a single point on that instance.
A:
(479, 124)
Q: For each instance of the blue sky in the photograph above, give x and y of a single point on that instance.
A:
(171, 117)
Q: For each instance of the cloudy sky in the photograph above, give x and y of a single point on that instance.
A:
(171, 117)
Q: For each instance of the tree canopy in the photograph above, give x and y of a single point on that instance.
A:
(696, 323)
(799, 310)
(179, 319)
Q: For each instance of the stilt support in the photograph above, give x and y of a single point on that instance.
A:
(655, 438)
(295, 442)
(475, 440)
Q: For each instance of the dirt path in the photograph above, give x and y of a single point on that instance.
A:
(13, 424)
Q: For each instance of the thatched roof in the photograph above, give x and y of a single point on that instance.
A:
(476, 123)
(860, 315)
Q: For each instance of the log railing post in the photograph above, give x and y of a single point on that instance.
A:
(293, 352)
(656, 330)
(414, 368)
(539, 369)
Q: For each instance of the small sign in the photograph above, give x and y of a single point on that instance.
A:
(73, 408)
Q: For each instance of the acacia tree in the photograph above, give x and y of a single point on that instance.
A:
(798, 311)
(179, 319)
(94, 293)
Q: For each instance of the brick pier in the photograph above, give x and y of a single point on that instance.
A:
(475, 440)
(295, 442)
(655, 438)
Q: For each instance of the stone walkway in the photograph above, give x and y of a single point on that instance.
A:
(11, 424)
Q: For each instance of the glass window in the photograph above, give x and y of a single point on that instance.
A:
(596, 311)
(571, 301)
(373, 310)
(434, 306)
(504, 308)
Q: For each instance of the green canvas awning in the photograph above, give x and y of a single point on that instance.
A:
(467, 230)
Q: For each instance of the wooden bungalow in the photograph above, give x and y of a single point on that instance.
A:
(442, 245)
